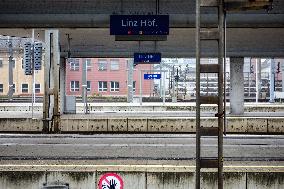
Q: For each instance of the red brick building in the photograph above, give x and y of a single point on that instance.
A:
(105, 76)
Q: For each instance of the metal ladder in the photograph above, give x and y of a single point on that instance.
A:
(202, 35)
(218, 34)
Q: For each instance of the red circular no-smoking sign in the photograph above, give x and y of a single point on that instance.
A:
(110, 181)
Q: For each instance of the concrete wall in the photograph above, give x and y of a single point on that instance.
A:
(122, 107)
(152, 125)
(141, 180)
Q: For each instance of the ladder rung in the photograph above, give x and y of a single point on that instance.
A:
(208, 3)
(209, 131)
(209, 99)
(209, 34)
(208, 163)
(209, 68)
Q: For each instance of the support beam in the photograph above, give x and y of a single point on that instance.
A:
(130, 81)
(272, 80)
(11, 63)
(258, 82)
(85, 86)
(237, 85)
(282, 71)
(62, 83)
(51, 101)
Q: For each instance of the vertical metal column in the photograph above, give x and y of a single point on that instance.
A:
(62, 83)
(282, 71)
(130, 81)
(11, 63)
(140, 86)
(84, 81)
(197, 94)
(51, 106)
(272, 80)
(220, 115)
(46, 97)
(85, 86)
(56, 63)
(205, 34)
(258, 79)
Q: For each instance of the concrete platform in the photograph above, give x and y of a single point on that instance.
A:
(135, 173)
(262, 118)
(87, 176)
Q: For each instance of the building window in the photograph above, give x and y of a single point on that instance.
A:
(114, 86)
(89, 64)
(88, 86)
(114, 64)
(102, 86)
(74, 64)
(1, 63)
(102, 63)
(1, 88)
(37, 88)
(25, 88)
(74, 86)
(14, 88)
(134, 86)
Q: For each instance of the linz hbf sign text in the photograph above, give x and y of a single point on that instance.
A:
(139, 25)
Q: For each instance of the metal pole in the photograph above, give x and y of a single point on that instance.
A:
(257, 75)
(140, 82)
(10, 92)
(174, 99)
(197, 43)
(161, 90)
(33, 72)
(130, 81)
(56, 62)
(86, 91)
(164, 78)
(220, 92)
(225, 70)
(282, 70)
(46, 99)
(256, 80)
(249, 80)
(84, 84)
(272, 79)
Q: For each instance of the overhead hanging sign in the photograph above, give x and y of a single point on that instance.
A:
(139, 25)
(147, 58)
(152, 76)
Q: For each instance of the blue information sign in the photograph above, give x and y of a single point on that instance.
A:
(147, 57)
(152, 76)
(139, 24)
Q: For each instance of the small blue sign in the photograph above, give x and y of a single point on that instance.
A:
(152, 76)
(147, 58)
(139, 24)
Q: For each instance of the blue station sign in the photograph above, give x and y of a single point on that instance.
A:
(152, 76)
(139, 24)
(147, 58)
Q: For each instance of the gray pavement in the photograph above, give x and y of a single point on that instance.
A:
(137, 147)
